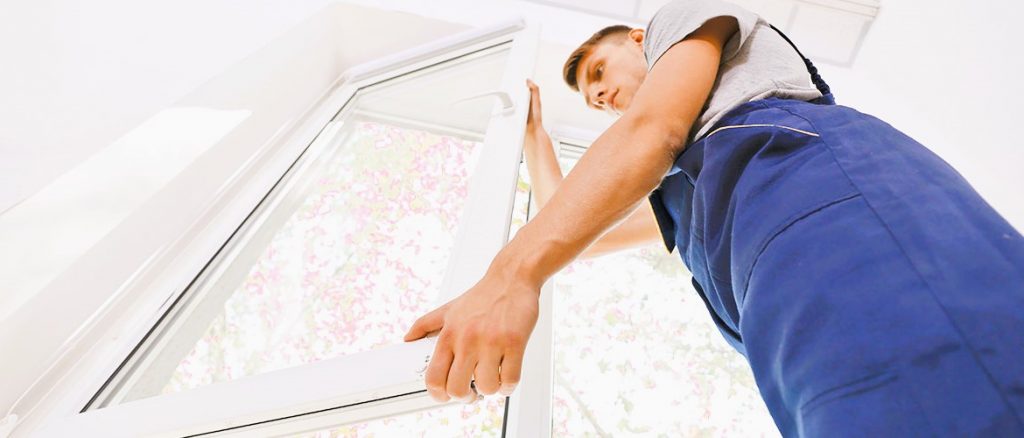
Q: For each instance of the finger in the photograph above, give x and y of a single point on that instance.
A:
(485, 376)
(458, 378)
(431, 322)
(436, 376)
(511, 367)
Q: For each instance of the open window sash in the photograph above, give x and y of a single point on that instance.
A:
(372, 384)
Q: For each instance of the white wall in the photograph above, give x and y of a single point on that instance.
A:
(78, 75)
(230, 97)
(948, 73)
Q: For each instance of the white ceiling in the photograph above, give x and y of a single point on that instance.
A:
(828, 30)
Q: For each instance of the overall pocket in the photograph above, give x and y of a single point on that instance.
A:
(877, 405)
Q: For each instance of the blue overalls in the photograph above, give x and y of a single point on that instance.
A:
(872, 290)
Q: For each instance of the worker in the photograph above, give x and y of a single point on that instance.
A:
(871, 289)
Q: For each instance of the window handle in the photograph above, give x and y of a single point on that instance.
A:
(507, 106)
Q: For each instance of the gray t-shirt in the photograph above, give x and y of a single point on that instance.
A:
(757, 62)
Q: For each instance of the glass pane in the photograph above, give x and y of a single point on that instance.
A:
(347, 251)
(480, 419)
(636, 353)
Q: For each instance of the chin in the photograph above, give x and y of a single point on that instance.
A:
(622, 108)
(625, 101)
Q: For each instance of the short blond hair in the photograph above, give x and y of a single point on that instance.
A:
(572, 64)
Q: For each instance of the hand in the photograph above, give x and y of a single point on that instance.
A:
(533, 120)
(483, 335)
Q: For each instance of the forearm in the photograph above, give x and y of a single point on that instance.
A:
(542, 163)
(640, 228)
(606, 185)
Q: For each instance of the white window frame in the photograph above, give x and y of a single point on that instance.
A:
(531, 410)
(380, 383)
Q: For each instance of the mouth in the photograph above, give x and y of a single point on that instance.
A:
(611, 100)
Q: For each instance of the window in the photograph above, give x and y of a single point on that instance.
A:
(661, 368)
(350, 249)
(294, 326)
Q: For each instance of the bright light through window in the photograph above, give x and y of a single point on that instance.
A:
(353, 266)
(347, 251)
(636, 354)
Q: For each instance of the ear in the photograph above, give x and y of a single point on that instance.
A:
(637, 36)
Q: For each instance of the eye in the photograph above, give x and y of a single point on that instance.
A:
(599, 72)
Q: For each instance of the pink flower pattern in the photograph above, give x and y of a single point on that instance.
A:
(352, 267)
(364, 254)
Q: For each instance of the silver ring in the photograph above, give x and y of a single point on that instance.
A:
(476, 394)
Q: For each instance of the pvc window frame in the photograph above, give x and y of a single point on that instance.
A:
(334, 392)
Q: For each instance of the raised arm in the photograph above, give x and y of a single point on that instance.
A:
(639, 229)
(483, 332)
(541, 162)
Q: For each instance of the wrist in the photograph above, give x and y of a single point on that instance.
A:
(513, 268)
(535, 130)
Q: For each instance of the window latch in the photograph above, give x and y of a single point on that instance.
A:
(507, 106)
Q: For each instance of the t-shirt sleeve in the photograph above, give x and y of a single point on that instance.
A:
(678, 19)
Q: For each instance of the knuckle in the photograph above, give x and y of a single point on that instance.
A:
(513, 338)
(444, 337)
(472, 334)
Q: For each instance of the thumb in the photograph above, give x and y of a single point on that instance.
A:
(431, 322)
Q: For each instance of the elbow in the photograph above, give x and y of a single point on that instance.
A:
(666, 137)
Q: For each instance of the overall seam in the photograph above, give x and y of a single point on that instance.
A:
(920, 276)
(762, 125)
(787, 224)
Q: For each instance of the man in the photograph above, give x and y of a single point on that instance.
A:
(873, 292)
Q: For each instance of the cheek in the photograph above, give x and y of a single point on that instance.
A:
(634, 85)
(639, 75)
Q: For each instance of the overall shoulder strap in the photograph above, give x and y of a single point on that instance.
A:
(815, 76)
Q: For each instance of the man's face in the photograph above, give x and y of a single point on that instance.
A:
(612, 72)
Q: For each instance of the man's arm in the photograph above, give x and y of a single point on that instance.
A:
(483, 332)
(640, 228)
(610, 179)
